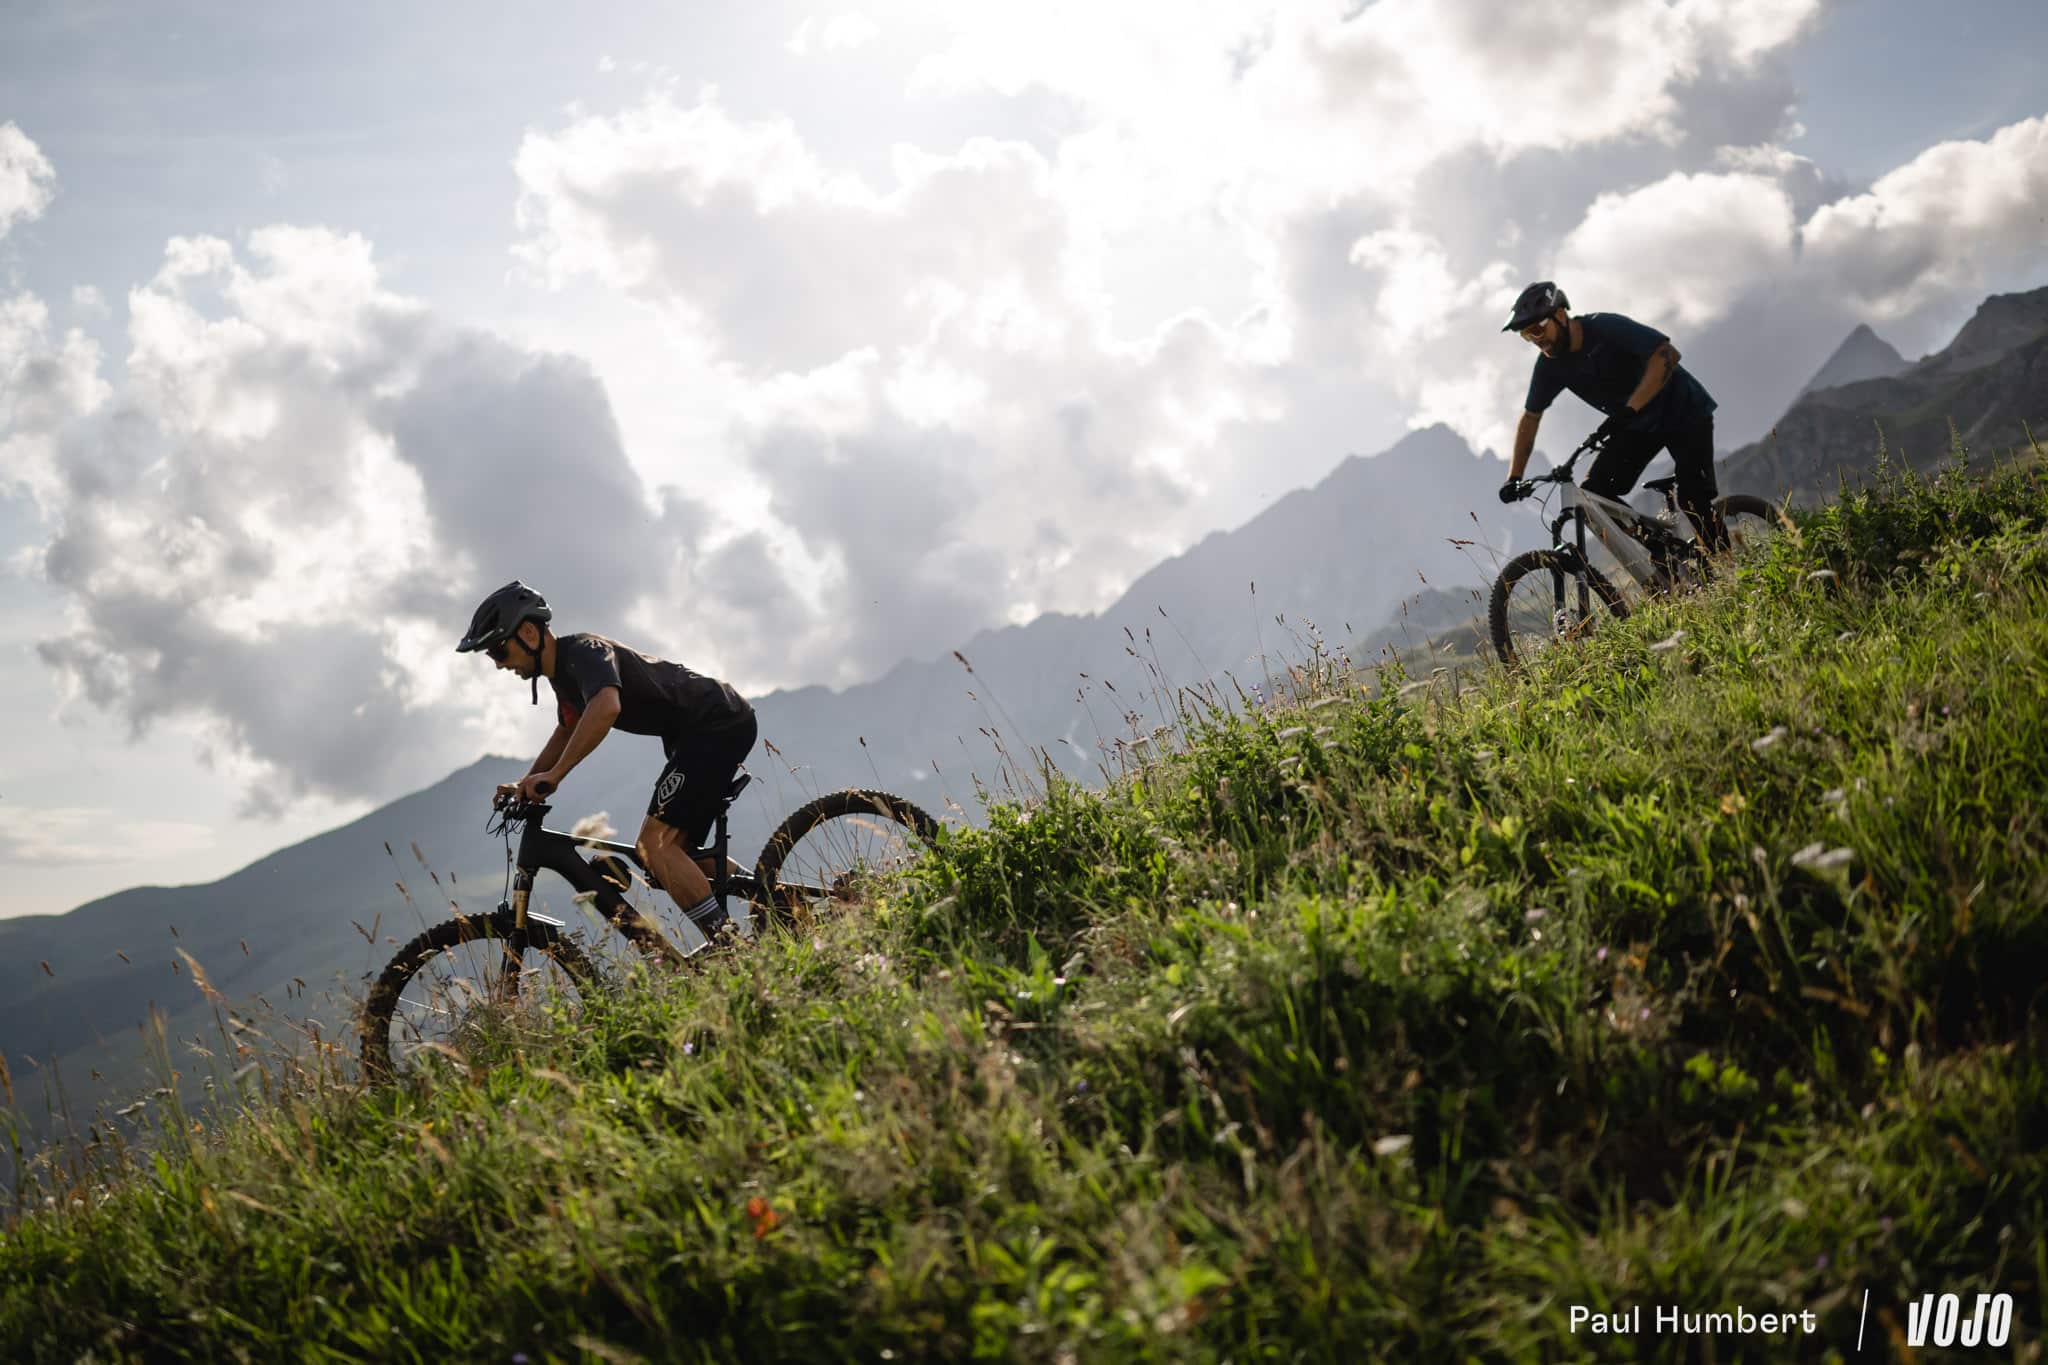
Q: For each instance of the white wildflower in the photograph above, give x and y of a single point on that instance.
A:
(1818, 857)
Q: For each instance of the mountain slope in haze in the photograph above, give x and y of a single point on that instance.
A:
(1862, 355)
(1991, 382)
(303, 914)
(1342, 555)
(1346, 552)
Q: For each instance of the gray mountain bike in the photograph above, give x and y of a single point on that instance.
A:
(460, 980)
(1544, 597)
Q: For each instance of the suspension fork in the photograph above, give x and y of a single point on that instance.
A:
(522, 891)
(721, 879)
(521, 894)
(1573, 550)
(529, 859)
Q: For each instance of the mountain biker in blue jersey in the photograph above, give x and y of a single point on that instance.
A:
(706, 729)
(1631, 373)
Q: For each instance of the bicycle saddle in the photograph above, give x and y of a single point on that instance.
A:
(1663, 485)
(739, 784)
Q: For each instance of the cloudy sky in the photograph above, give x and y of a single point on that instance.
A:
(789, 340)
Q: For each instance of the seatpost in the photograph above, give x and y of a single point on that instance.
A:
(718, 877)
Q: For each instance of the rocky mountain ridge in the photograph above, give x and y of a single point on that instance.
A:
(1986, 391)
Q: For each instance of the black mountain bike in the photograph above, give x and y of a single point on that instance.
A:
(465, 976)
(1561, 593)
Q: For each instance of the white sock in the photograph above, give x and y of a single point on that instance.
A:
(707, 916)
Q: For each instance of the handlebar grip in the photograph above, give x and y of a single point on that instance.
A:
(542, 788)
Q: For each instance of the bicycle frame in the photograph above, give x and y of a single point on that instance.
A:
(541, 848)
(1632, 538)
(1627, 533)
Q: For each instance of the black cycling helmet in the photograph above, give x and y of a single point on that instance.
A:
(503, 612)
(1536, 303)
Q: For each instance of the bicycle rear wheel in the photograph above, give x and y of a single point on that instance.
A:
(1752, 522)
(1535, 604)
(829, 850)
(466, 981)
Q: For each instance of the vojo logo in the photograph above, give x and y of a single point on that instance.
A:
(1939, 1319)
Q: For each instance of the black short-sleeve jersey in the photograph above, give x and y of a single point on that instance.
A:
(655, 697)
(1606, 368)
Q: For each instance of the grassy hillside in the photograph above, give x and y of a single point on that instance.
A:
(1698, 965)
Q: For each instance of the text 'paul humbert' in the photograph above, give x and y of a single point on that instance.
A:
(1672, 1319)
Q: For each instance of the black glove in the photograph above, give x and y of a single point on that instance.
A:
(1617, 422)
(1514, 490)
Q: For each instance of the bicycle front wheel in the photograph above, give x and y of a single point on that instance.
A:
(829, 851)
(1535, 604)
(465, 982)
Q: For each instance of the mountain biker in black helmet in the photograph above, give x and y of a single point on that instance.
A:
(1631, 373)
(705, 728)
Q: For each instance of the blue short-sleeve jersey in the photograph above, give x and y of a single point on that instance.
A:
(1606, 368)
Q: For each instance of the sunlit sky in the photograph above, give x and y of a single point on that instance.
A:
(790, 341)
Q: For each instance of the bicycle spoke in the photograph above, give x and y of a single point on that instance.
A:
(1748, 535)
(1535, 621)
(466, 994)
(829, 852)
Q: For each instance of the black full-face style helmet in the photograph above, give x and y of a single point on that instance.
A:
(1536, 303)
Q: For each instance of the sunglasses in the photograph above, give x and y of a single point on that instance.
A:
(1534, 331)
(497, 653)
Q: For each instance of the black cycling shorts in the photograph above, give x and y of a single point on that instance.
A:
(691, 789)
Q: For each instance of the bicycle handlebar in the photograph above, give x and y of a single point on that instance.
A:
(514, 808)
(1561, 474)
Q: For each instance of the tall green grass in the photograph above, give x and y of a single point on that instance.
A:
(1698, 964)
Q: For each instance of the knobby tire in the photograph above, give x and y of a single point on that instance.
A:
(853, 803)
(381, 1006)
(1532, 561)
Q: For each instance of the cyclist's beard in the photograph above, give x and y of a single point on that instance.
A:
(1552, 350)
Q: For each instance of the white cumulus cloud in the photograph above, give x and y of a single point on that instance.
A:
(1948, 222)
(275, 526)
(934, 352)
(840, 33)
(1681, 251)
(27, 180)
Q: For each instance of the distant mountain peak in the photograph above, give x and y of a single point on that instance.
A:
(2001, 324)
(1862, 355)
(1431, 442)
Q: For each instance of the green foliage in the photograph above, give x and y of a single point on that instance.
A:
(1698, 964)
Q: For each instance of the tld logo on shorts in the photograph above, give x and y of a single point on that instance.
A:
(670, 785)
(1991, 1324)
